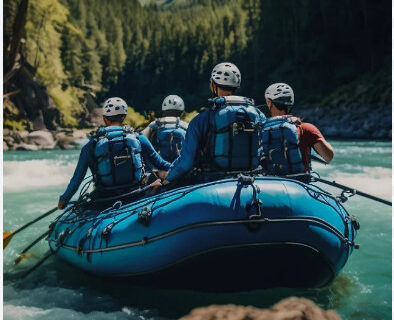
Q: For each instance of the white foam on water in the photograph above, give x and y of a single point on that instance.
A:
(12, 312)
(27, 175)
(373, 180)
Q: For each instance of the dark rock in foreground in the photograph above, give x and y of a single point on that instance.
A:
(288, 309)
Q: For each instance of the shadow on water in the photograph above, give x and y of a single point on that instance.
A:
(85, 293)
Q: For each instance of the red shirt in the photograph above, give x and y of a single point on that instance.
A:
(309, 135)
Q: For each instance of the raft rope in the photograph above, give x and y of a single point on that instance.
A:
(313, 220)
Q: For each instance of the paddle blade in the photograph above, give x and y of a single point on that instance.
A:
(25, 255)
(7, 236)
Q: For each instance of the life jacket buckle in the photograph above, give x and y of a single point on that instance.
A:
(119, 160)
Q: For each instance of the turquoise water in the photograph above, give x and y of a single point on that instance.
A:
(34, 180)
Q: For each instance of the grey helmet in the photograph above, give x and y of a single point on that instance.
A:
(114, 106)
(280, 93)
(173, 102)
(226, 74)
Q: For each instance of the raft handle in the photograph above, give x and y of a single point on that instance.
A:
(145, 216)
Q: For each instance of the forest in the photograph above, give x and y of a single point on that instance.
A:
(81, 52)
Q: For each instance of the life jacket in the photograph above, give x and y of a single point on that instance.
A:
(117, 154)
(233, 135)
(281, 154)
(168, 138)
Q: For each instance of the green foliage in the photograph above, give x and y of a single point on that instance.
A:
(188, 116)
(135, 119)
(44, 27)
(18, 125)
(68, 103)
(143, 53)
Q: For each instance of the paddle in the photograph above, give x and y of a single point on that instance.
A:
(351, 190)
(7, 236)
(24, 255)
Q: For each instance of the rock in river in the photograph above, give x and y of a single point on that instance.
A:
(292, 308)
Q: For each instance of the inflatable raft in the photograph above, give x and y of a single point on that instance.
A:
(233, 234)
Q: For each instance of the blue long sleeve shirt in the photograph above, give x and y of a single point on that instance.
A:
(195, 136)
(86, 161)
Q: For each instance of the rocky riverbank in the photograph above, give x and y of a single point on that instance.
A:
(41, 139)
(288, 309)
(359, 122)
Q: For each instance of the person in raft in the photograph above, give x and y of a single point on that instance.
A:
(168, 132)
(286, 141)
(224, 137)
(115, 155)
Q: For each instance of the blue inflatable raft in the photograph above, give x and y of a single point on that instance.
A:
(233, 234)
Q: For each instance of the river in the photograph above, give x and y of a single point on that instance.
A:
(34, 180)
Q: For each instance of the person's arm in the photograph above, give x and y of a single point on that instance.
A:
(184, 163)
(324, 149)
(150, 154)
(315, 139)
(79, 175)
(147, 132)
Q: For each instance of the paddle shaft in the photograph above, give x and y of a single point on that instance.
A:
(343, 187)
(34, 221)
(35, 242)
(48, 255)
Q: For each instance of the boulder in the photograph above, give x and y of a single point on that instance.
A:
(41, 138)
(9, 140)
(64, 140)
(20, 136)
(25, 146)
(292, 308)
(5, 146)
(79, 134)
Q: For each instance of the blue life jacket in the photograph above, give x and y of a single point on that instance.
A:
(169, 138)
(233, 135)
(117, 155)
(281, 154)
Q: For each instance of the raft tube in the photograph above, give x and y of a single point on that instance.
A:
(227, 235)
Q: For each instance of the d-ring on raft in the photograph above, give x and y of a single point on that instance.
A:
(228, 235)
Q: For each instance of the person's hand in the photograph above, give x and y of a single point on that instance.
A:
(162, 174)
(155, 186)
(165, 182)
(61, 204)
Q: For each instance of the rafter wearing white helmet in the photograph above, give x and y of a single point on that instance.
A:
(226, 74)
(173, 102)
(280, 94)
(114, 107)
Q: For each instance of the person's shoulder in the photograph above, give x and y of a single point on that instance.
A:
(308, 126)
(200, 117)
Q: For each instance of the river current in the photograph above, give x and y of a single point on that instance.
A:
(33, 182)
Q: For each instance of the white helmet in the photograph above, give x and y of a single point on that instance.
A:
(173, 102)
(114, 106)
(280, 93)
(226, 74)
